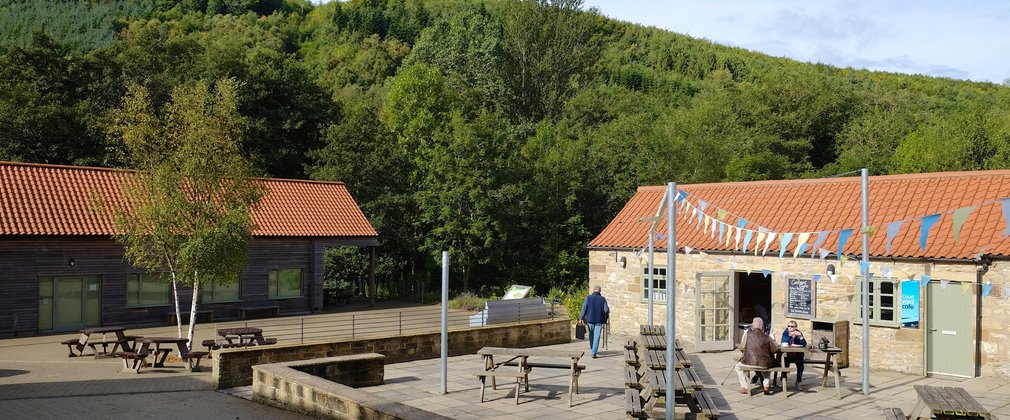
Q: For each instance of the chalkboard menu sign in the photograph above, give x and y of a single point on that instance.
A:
(800, 298)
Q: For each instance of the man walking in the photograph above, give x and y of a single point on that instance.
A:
(595, 312)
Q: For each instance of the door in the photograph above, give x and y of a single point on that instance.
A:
(69, 303)
(949, 330)
(714, 320)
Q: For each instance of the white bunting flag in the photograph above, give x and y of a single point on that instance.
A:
(885, 272)
(768, 242)
(713, 226)
(760, 238)
(800, 243)
(824, 253)
(687, 250)
(821, 237)
(736, 245)
(732, 265)
(703, 253)
(694, 211)
(943, 283)
(833, 277)
(729, 233)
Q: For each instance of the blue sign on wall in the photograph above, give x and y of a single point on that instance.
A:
(910, 304)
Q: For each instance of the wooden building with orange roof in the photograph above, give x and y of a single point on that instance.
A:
(60, 269)
(790, 250)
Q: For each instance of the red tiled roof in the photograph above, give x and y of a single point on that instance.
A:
(37, 199)
(833, 204)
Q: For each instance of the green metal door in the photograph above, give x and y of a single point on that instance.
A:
(949, 331)
(715, 308)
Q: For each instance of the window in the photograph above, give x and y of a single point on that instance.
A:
(213, 292)
(147, 289)
(658, 284)
(285, 283)
(885, 302)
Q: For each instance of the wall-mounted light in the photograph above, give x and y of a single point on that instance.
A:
(623, 261)
(71, 261)
(831, 269)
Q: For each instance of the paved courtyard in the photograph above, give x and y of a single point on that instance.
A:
(39, 381)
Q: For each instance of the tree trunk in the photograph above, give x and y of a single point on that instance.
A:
(178, 314)
(192, 311)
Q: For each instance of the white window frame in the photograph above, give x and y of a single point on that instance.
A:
(658, 285)
(875, 302)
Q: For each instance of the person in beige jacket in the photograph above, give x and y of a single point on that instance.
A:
(758, 351)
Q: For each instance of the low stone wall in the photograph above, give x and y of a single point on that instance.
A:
(234, 367)
(323, 388)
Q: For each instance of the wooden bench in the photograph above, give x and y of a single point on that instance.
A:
(630, 344)
(71, 344)
(133, 360)
(631, 358)
(945, 402)
(263, 341)
(521, 377)
(705, 406)
(631, 378)
(193, 359)
(749, 369)
(207, 313)
(262, 305)
(894, 414)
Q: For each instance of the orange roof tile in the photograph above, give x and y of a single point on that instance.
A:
(832, 204)
(37, 199)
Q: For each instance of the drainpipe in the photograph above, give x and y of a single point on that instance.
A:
(983, 261)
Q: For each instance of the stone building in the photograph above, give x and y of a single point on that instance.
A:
(939, 264)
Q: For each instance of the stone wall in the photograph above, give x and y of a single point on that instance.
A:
(898, 349)
(233, 367)
(298, 386)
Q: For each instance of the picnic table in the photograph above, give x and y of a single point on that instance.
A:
(656, 342)
(243, 336)
(656, 359)
(828, 365)
(122, 341)
(946, 403)
(519, 357)
(161, 354)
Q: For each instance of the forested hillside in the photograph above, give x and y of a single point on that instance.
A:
(509, 132)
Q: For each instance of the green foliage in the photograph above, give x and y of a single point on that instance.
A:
(467, 301)
(79, 26)
(570, 298)
(509, 132)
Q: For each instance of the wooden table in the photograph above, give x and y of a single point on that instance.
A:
(161, 354)
(655, 341)
(120, 342)
(656, 359)
(244, 334)
(946, 403)
(828, 366)
(522, 355)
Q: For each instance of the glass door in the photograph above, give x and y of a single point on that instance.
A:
(714, 300)
(69, 303)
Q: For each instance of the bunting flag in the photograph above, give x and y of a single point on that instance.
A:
(892, 231)
(732, 265)
(768, 241)
(885, 272)
(701, 216)
(843, 237)
(722, 231)
(868, 230)
(765, 272)
(1006, 215)
(801, 242)
(824, 253)
(741, 222)
(925, 279)
(960, 216)
(659, 236)
(817, 278)
(927, 223)
(843, 259)
(721, 215)
(821, 237)
(1006, 292)
(864, 266)
(748, 271)
(713, 227)
(704, 225)
(965, 287)
(681, 195)
(760, 239)
(729, 234)
(694, 211)
(703, 254)
(908, 273)
(702, 205)
(736, 243)
(833, 277)
(746, 240)
(687, 250)
(869, 276)
(986, 289)
(639, 252)
(943, 283)
(786, 238)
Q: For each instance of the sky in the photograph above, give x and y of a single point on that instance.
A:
(965, 39)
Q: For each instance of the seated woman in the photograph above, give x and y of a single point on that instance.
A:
(794, 338)
(758, 351)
